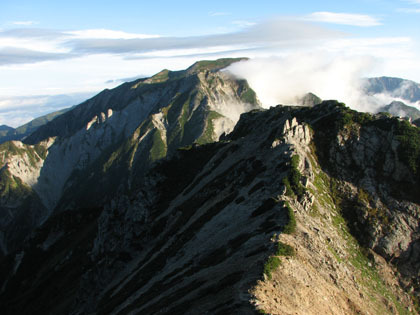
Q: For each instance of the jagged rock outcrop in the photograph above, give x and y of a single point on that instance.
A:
(105, 144)
(205, 231)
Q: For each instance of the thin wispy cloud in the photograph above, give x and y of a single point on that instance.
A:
(13, 55)
(129, 79)
(24, 23)
(408, 10)
(276, 32)
(105, 33)
(219, 13)
(70, 44)
(362, 20)
(243, 23)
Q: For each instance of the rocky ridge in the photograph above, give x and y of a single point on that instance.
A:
(199, 233)
(115, 136)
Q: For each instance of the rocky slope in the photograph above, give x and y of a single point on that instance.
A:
(297, 211)
(105, 144)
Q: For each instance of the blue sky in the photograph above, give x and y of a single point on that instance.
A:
(77, 48)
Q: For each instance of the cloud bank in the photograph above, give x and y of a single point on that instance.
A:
(284, 80)
(71, 44)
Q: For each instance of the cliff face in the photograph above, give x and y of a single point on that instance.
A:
(298, 210)
(104, 145)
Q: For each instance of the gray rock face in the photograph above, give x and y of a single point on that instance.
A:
(193, 235)
(106, 144)
(379, 189)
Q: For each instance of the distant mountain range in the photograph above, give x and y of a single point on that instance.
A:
(8, 133)
(394, 87)
(399, 89)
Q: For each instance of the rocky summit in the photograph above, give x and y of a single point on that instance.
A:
(105, 144)
(154, 198)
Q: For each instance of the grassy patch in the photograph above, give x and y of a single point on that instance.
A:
(272, 264)
(12, 187)
(284, 250)
(212, 64)
(208, 133)
(158, 149)
(292, 181)
(409, 147)
(290, 227)
(274, 261)
(249, 96)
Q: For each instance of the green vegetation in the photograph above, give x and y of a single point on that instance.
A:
(160, 77)
(274, 261)
(350, 117)
(158, 149)
(292, 181)
(249, 96)
(41, 150)
(208, 134)
(213, 64)
(290, 227)
(34, 153)
(178, 114)
(272, 264)
(409, 148)
(329, 196)
(284, 250)
(10, 149)
(11, 186)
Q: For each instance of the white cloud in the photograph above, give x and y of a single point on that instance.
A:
(243, 23)
(343, 18)
(281, 80)
(24, 23)
(406, 10)
(107, 34)
(219, 13)
(42, 45)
